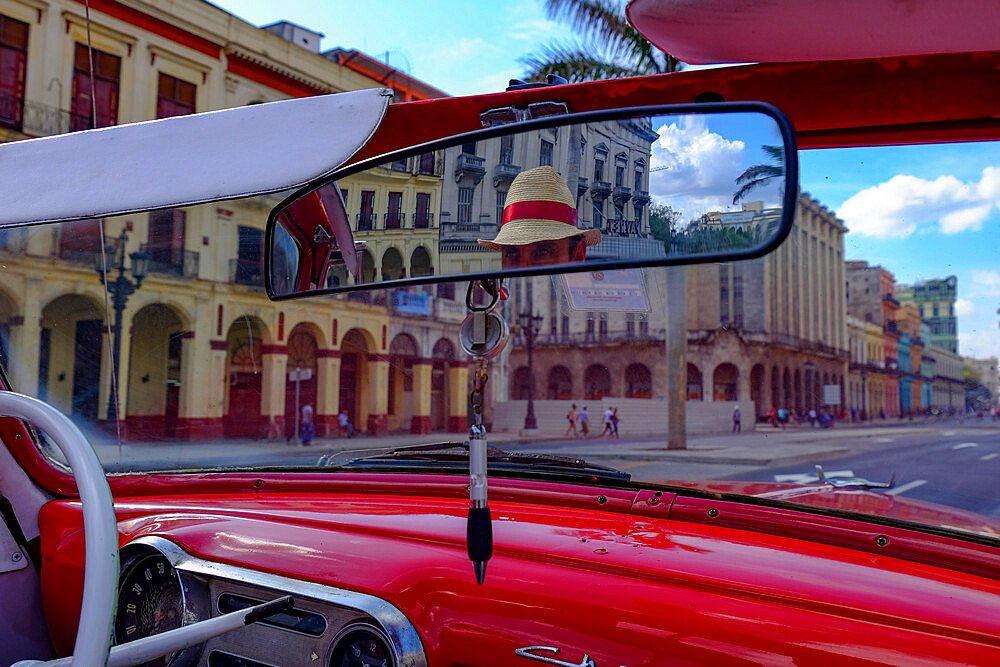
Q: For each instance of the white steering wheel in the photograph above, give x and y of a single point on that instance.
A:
(100, 577)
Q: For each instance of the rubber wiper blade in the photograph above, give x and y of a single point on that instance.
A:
(497, 459)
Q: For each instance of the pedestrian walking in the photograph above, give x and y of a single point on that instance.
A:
(308, 427)
(783, 417)
(571, 416)
(812, 418)
(736, 420)
(772, 417)
(346, 428)
(614, 421)
(584, 422)
(608, 430)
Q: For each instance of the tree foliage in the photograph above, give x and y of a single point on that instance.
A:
(608, 47)
(759, 175)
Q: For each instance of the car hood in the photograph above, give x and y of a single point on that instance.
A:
(859, 500)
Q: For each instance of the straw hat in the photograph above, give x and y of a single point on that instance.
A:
(539, 207)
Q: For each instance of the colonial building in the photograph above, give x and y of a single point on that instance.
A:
(949, 385)
(935, 299)
(870, 298)
(203, 352)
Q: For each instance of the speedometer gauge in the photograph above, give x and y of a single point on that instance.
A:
(361, 646)
(150, 601)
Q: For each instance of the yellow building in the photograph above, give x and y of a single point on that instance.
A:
(203, 352)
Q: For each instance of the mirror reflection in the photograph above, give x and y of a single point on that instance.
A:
(585, 194)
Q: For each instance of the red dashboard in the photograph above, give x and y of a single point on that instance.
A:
(619, 587)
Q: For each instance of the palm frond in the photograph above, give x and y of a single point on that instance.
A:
(576, 63)
(760, 172)
(593, 19)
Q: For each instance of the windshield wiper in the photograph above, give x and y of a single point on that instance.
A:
(455, 455)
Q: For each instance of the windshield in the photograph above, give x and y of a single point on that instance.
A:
(865, 343)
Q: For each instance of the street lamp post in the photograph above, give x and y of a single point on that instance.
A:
(530, 325)
(120, 289)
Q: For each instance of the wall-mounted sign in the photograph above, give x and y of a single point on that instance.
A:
(622, 290)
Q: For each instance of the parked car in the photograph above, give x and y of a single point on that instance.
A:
(558, 242)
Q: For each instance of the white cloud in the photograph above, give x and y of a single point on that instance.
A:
(905, 204)
(980, 342)
(964, 308)
(463, 49)
(985, 283)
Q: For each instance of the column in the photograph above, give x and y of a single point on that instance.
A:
(327, 394)
(25, 342)
(421, 421)
(378, 394)
(458, 396)
(274, 361)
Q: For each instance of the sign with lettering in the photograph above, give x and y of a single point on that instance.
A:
(623, 227)
(621, 290)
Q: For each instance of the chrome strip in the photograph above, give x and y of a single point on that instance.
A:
(403, 637)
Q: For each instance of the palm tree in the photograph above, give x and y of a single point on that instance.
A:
(759, 175)
(610, 47)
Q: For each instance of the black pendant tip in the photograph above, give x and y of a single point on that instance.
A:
(480, 567)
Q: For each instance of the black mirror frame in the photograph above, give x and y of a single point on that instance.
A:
(789, 198)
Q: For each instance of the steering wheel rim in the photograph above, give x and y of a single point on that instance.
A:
(100, 578)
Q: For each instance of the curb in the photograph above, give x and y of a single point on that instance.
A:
(805, 457)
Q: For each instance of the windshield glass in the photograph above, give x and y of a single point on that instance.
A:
(866, 343)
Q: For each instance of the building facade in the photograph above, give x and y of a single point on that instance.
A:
(935, 300)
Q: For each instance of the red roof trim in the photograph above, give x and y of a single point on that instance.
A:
(393, 78)
(275, 80)
(156, 26)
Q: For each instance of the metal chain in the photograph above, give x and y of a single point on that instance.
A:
(479, 379)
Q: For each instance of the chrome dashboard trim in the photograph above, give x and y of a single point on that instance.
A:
(402, 636)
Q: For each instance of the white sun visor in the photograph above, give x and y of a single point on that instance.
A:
(185, 160)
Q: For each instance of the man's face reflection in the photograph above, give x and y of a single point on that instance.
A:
(544, 253)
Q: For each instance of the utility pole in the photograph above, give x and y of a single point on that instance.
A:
(676, 353)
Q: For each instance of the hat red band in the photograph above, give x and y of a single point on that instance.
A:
(546, 210)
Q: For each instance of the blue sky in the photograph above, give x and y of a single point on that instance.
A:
(922, 212)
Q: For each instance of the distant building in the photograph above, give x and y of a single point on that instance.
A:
(935, 299)
(986, 369)
(870, 298)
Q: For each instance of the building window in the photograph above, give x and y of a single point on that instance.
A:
(638, 180)
(421, 219)
(598, 170)
(394, 215)
(619, 176)
(398, 165)
(619, 214)
(630, 325)
(13, 70)
(367, 210)
(165, 241)
(598, 214)
(545, 153)
(507, 149)
(465, 205)
(107, 74)
(249, 263)
(590, 327)
(602, 330)
(469, 148)
(426, 163)
(724, 295)
(174, 97)
(643, 325)
(936, 314)
(738, 295)
(501, 198)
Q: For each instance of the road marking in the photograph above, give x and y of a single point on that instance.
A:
(965, 445)
(946, 433)
(906, 487)
(884, 439)
(989, 456)
(810, 477)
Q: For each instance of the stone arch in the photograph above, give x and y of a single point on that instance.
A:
(596, 382)
(420, 263)
(775, 387)
(442, 353)
(367, 267)
(355, 378)
(799, 401)
(786, 389)
(71, 346)
(303, 355)
(393, 267)
(403, 352)
(695, 390)
(560, 385)
(757, 388)
(725, 382)
(245, 340)
(156, 342)
(638, 381)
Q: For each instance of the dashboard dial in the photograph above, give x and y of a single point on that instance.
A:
(150, 601)
(361, 648)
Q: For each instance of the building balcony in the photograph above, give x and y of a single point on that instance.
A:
(246, 271)
(581, 185)
(504, 174)
(621, 195)
(470, 168)
(394, 220)
(891, 327)
(550, 339)
(600, 190)
(178, 263)
(423, 221)
(889, 298)
(641, 198)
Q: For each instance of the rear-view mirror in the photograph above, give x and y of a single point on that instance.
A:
(579, 192)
